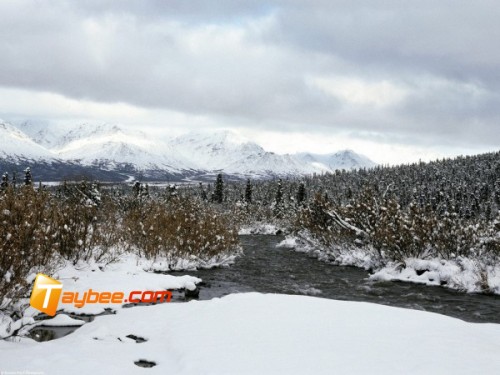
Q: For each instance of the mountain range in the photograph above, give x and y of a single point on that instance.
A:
(110, 152)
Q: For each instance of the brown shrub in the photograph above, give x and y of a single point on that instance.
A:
(179, 228)
(26, 233)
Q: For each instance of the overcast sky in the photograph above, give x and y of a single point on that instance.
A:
(395, 80)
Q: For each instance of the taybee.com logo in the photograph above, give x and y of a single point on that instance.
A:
(47, 293)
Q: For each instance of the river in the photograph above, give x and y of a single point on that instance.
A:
(267, 269)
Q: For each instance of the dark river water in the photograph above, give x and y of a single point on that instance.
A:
(267, 269)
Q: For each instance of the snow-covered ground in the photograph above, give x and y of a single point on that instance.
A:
(265, 334)
(260, 228)
(339, 255)
(125, 274)
(468, 275)
(242, 333)
(463, 274)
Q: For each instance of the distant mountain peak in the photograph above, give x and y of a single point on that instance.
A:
(343, 159)
(226, 137)
(16, 145)
(201, 153)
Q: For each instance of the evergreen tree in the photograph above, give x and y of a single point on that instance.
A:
(279, 193)
(172, 191)
(203, 193)
(488, 213)
(248, 192)
(28, 181)
(218, 196)
(145, 191)
(136, 188)
(94, 194)
(301, 193)
(5, 181)
(278, 200)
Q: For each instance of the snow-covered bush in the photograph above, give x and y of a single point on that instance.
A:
(179, 227)
(26, 238)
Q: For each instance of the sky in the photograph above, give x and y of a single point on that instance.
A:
(398, 81)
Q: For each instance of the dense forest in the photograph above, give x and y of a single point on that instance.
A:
(445, 208)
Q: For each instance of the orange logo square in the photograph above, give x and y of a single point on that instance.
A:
(45, 294)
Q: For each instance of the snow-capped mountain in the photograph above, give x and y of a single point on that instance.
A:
(229, 152)
(18, 151)
(41, 133)
(111, 146)
(345, 159)
(117, 153)
(16, 145)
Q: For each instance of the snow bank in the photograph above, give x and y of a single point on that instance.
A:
(462, 274)
(60, 320)
(126, 274)
(340, 256)
(265, 334)
(269, 229)
(192, 263)
(288, 243)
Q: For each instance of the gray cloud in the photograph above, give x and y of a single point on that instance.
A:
(259, 63)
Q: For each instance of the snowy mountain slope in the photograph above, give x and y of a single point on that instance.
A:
(18, 151)
(233, 154)
(16, 145)
(41, 134)
(214, 151)
(56, 136)
(345, 159)
(111, 146)
(126, 152)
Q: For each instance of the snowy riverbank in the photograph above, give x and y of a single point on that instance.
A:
(260, 228)
(265, 334)
(128, 272)
(464, 274)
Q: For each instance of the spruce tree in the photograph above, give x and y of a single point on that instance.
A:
(28, 181)
(5, 181)
(278, 200)
(203, 193)
(248, 192)
(218, 196)
(301, 193)
(94, 194)
(145, 191)
(279, 193)
(172, 191)
(136, 188)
